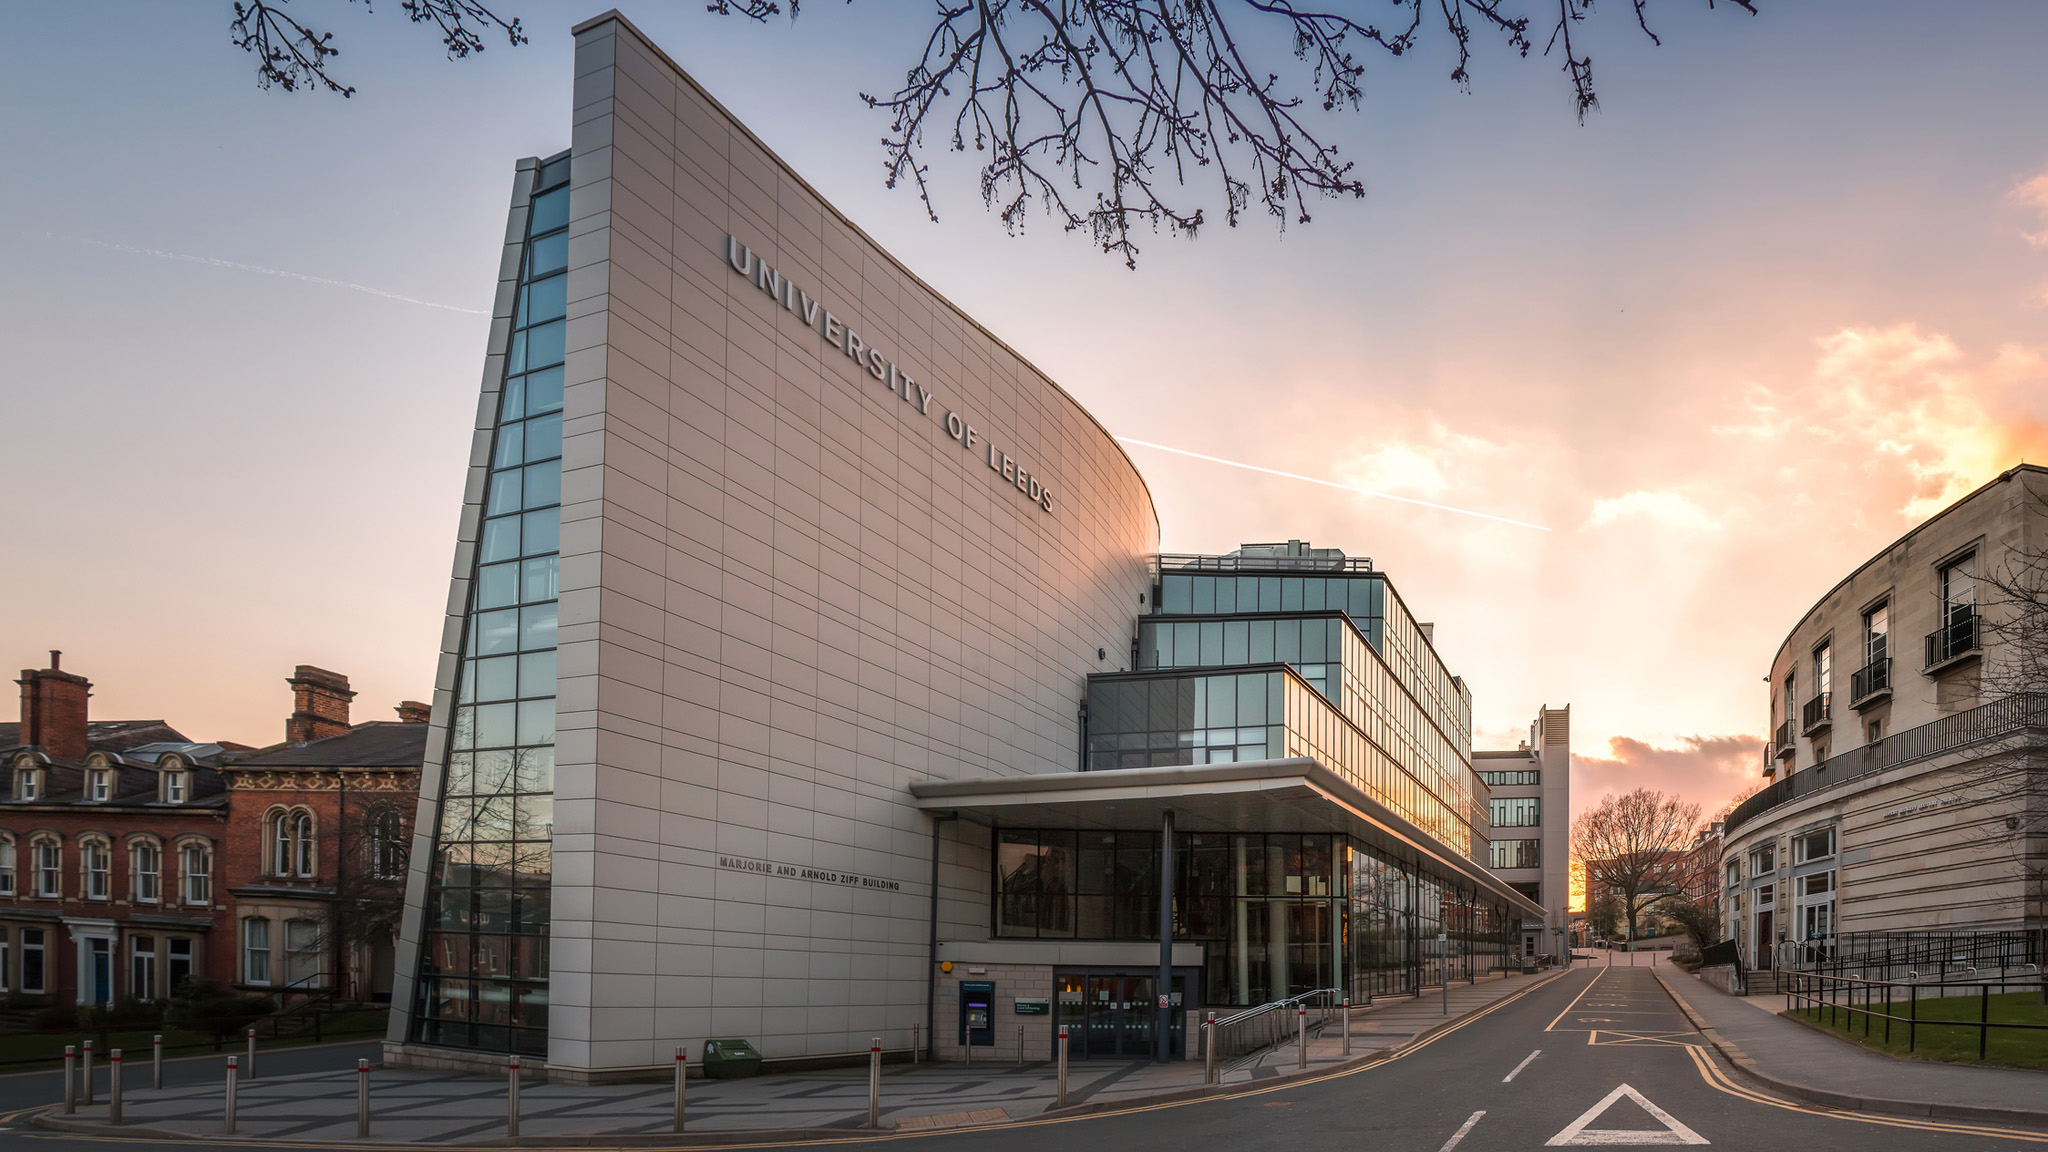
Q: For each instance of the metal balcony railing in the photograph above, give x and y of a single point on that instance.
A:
(1956, 638)
(2022, 715)
(1781, 744)
(1815, 714)
(1871, 679)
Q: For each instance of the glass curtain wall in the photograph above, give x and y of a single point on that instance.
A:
(484, 972)
(1278, 914)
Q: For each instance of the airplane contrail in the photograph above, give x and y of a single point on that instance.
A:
(219, 263)
(1331, 484)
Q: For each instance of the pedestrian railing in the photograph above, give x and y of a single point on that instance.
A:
(1846, 1001)
(1259, 1028)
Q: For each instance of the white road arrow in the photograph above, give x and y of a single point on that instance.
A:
(1673, 1132)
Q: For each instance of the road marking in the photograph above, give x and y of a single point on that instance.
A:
(1719, 1081)
(1673, 1131)
(1552, 1027)
(1510, 1077)
(1460, 1133)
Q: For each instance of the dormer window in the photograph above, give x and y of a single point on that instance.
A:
(99, 784)
(176, 783)
(28, 784)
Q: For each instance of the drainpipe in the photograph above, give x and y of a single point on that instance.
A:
(1162, 1042)
(931, 971)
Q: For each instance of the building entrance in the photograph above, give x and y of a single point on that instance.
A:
(1111, 1016)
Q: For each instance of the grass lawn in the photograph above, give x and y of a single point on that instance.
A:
(21, 1051)
(1935, 1040)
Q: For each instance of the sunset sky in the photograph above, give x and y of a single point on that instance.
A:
(1783, 296)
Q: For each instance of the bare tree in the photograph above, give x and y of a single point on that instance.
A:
(1634, 846)
(291, 54)
(1101, 111)
(2010, 616)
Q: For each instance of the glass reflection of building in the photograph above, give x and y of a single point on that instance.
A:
(484, 965)
(1269, 653)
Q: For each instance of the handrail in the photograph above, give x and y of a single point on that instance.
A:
(1268, 1024)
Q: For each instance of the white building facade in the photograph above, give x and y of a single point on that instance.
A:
(779, 590)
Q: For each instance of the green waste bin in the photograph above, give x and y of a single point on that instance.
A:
(730, 1059)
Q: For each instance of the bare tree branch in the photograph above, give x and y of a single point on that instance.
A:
(1101, 112)
(1633, 847)
(291, 54)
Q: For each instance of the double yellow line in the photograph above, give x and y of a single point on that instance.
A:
(1720, 1080)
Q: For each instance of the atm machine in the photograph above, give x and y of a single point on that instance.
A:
(977, 1013)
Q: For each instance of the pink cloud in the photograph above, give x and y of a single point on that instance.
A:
(1708, 770)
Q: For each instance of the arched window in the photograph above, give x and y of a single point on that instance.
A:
(387, 846)
(49, 863)
(195, 866)
(281, 843)
(146, 866)
(7, 881)
(302, 844)
(96, 865)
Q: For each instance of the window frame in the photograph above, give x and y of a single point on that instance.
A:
(28, 785)
(52, 870)
(99, 785)
(41, 948)
(150, 878)
(1801, 854)
(95, 884)
(10, 873)
(252, 952)
(174, 786)
(190, 878)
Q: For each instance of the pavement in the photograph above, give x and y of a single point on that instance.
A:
(1794, 1058)
(449, 1108)
(1601, 1056)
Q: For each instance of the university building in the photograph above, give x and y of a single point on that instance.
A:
(1907, 753)
(811, 673)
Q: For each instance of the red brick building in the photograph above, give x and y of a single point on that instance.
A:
(125, 847)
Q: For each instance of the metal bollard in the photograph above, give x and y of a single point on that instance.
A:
(1060, 1086)
(1301, 1036)
(86, 1075)
(916, 1044)
(70, 1079)
(362, 1099)
(967, 1049)
(512, 1098)
(1209, 1049)
(249, 1069)
(228, 1102)
(156, 1067)
(1020, 1045)
(114, 1086)
(1347, 1025)
(875, 1084)
(682, 1074)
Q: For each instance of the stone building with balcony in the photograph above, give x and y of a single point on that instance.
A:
(1906, 749)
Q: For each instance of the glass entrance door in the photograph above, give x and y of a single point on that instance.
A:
(1111, 1016)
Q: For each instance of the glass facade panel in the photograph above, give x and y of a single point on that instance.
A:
(483, 974)
(1278, 914)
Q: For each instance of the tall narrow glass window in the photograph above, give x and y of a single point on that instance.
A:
(483, 975)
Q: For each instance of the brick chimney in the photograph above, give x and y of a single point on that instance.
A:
(53, 710)
(414, 712)
(319, 704)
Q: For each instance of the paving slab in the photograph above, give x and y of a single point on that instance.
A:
(442, 1108)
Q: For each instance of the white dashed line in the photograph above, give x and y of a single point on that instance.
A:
(1460, 1133)
(1510, 1077)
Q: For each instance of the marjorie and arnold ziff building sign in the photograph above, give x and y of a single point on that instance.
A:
(782, 587)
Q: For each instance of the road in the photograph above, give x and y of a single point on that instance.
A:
(1599, 1056)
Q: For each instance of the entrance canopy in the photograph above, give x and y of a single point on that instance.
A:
(1297, 794)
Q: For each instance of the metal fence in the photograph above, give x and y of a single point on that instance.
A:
(1913, 955)
(1258, 1028)
(1846, 1000)
(2015, 713)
